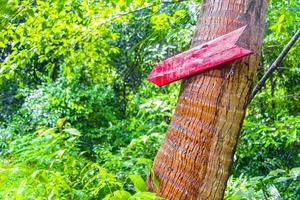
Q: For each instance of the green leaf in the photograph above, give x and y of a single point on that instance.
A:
(21, 188)
(145, 196)
(295, 173)
(155, 180)
(2, 45)
(118, 195)
(72, 131)
(138, 182)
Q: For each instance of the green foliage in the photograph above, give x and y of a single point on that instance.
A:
(268, 159)
(277, 184)
(273, 144)
(48, 163)
(283, 88)
(64, 64)
(79, 66)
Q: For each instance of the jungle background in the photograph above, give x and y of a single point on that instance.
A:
(78, 120)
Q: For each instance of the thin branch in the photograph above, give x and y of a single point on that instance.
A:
(140, 9)
(275, 64)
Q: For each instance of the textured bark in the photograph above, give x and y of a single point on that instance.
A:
(195, 158)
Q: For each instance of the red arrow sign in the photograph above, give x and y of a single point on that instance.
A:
(198, 59)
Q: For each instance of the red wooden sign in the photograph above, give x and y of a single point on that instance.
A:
(198, 59)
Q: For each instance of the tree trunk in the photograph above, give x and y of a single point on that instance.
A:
(195, 158)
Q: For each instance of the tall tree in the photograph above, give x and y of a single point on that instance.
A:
(195, 158)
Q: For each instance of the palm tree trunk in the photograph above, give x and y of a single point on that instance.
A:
(195, 158)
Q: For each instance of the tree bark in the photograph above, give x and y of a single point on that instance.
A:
(195, 158)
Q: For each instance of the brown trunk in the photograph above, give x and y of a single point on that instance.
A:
(195, 158)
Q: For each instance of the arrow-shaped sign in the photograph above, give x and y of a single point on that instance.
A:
(200, 58)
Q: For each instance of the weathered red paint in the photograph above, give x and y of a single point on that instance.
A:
(208, 55)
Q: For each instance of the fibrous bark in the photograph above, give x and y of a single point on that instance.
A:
(195, 158)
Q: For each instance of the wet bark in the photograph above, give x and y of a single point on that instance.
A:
(195, 158)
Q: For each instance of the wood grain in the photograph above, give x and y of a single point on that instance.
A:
(200, 58)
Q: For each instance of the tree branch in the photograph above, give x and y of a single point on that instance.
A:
(143, 8)
(275, 64)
